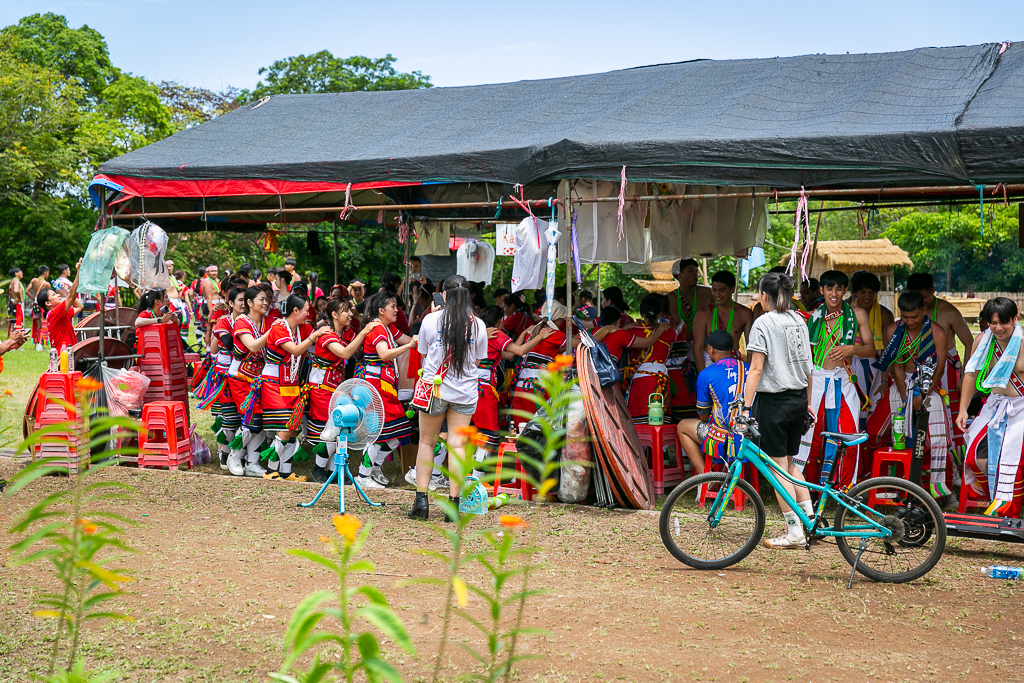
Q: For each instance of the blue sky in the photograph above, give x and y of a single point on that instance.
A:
(220, 43)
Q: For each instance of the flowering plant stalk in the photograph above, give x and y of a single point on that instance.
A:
(71, 530)
(359, 650)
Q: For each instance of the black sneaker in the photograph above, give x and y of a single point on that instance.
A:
(319, 474)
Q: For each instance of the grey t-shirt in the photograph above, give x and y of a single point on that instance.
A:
(783, 339)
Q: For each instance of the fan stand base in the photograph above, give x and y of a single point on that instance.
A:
(340, 465)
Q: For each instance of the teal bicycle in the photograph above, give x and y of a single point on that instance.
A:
(888, 529)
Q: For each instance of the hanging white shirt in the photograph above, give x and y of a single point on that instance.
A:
(475, 261)
(531, 255)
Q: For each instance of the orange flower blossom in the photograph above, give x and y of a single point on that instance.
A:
(560, 363)
(8, 392)
(88, 527)
(468, 431)
(513, 522)
(88, 385)
(347, 526)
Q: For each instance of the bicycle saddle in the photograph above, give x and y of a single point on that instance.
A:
(847, 439)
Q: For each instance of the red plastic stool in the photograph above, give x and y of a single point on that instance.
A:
(884, 457)
(967, 497)
(56, 389)
(739, 499)
(658, 438)
(164, 439)
(521, 487)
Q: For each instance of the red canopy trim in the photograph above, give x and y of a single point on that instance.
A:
(229, 187)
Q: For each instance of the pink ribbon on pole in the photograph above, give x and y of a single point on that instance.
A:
(622, 200)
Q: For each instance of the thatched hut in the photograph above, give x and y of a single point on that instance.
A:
(878, 256)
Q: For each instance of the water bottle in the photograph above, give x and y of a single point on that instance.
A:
(899, 432)
(54, 361)
(71, 360)
(996, 571)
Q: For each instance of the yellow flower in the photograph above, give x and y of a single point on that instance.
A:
(461, 594)
(546, 486)
(347, 526)
(88, 385)
(324, 539)
(513, 522)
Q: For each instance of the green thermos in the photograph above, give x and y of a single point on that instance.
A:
(656, 410)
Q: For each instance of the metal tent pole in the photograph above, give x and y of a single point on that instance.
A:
(335, 252)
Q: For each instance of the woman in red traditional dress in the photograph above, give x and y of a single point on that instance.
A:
(330, 356)
(525, 384)
(280, 395)
(249, 337)
(647, 374)
(381, 346)
(221, 343)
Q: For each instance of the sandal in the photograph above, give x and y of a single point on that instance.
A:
(293, 477)
(271, 475)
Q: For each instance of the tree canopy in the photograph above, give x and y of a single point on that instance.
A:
(323, 72)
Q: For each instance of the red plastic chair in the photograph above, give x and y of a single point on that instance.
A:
(657, 438)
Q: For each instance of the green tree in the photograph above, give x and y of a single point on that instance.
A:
(951, 246)
(323, 72)
(190, 106)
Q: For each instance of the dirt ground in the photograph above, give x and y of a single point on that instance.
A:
(215, 589)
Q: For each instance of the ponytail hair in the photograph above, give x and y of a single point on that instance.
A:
(147, 300)
(334, 306)
(375, 303)
(457, 322)
(294, 303)
(779, 288)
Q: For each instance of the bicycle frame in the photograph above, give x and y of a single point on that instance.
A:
(768, 469)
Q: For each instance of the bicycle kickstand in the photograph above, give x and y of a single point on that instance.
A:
(860, 551)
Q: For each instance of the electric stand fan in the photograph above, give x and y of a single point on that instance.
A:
(357, 415)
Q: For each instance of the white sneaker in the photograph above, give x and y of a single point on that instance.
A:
(438, 481)
(377, 474)
(235, 465)
(367, 483)
(224, 455)
(784, 543)
(254, 470)
(39, 347)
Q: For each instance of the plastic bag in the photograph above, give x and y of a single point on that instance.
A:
(125, 389)
(532, 444)
(146, 248)
(98, 262)
(200, 451)
(575, 482)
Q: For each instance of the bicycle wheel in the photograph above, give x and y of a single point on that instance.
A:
(917, 523)
(689, 536)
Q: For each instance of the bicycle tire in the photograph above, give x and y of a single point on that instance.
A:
(667, 524)
(935, 521)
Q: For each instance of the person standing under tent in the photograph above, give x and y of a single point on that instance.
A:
(778, 386)
(280, 395)
(757, 310)
(688, 299)
(60, 309)
(647, 373)
(909, 343)
(38, 284)
(524, 380)
(210, 289)
(836, 330)
(864, 288)
(518, 318)
(452, 342)
(717, 386)
(226, 417)
(722, 313)
(810, 295)
(953, 324)
(245, 379)
(382, 345)
(994, 468)
(612, 296)
(16, 297)
(330, 355)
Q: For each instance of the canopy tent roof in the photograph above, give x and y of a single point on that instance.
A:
(925, 117)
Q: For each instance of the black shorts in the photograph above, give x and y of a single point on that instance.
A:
(782, 420)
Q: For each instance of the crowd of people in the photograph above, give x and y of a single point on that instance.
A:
(825, 357)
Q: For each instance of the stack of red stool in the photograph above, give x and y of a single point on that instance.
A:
(164, 439)
(520, 487)
(739, 499)
(658, 438)
(163, 361)
(57, 403)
